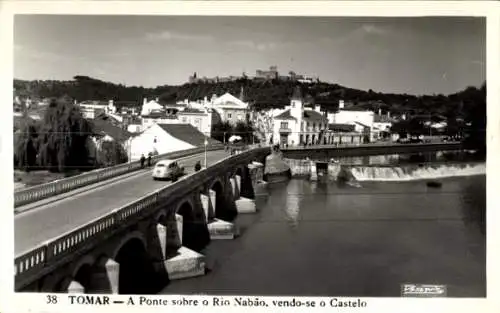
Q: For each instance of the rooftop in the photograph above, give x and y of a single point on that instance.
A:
(159, 115)
(284, 116)
(103, 127)
(308, 115)
(341, 127)
(354, 108)
(381, 119)
(187, 133)
(313, 115)
(192, 110)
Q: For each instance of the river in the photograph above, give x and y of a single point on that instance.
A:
(324, 239)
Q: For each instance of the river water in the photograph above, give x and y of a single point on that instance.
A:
(325, 239)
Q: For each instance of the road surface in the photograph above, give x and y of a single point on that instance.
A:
(46, 222)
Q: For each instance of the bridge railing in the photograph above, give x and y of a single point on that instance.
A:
(369, 145)
(40, 192)
(28, 264)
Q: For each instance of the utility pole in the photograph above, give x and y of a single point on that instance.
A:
(206, 143)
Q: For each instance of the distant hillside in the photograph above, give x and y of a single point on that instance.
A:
(261, 94)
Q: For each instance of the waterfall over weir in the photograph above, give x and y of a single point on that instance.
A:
(414, 172)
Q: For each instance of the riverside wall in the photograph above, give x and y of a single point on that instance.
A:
(304, 168)
(328, 152)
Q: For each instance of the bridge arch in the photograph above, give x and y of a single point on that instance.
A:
(224, 210)
(194, 230)
(62, 284)
(128, 237)
(161, 217)
(137, 272)
(82, 272)
(246, 189)
(239, 171)
(84, 261)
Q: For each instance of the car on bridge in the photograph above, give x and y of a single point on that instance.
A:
(167, 170)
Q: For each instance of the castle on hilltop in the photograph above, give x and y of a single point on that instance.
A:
(260, 75)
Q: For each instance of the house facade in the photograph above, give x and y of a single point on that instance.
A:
(363, 120)
(199, 117)
(298, 125)
(339, 134)
(382, 126)
(105, 131)
(92, 109)
(229, 108)
(151, 106)
(202, 120)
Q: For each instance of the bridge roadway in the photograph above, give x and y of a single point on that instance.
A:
(33, 227)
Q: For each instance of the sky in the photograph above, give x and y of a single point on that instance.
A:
(423, 55)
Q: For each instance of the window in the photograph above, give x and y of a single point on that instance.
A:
(302, 127)
(228, 115)
(284, 125)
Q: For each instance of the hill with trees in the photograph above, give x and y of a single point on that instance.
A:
(468, 105)
(261, 93)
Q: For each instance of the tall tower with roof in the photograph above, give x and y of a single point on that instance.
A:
(242, 94)
(297, 111)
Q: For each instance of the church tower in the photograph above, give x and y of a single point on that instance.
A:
(297, 111)
(242, 94)
(297, 103)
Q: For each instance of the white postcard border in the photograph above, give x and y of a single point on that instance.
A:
(11, 302)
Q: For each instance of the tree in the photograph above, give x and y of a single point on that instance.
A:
(26, 146)
(112, 153)
(63, 137)
(244, 130)
(222, 131)
(475, 118)
(453, 127)
(412, 127)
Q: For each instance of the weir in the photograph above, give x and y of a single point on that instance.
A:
(382, 172)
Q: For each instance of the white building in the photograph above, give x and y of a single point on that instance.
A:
(92, 109)
(382, 125)
(202, 119)
(361, 119)
(349, 116)
(297, 125)
(135, 128)
(151, 106)
(162, 117)
(230, 108)
(156, 139)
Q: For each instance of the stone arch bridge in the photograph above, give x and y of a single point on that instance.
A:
(140, 247)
